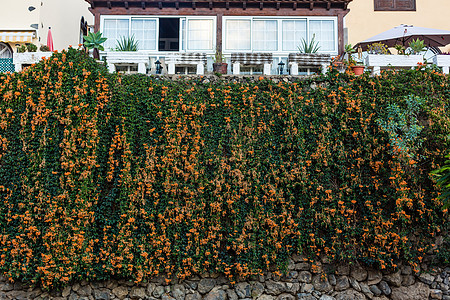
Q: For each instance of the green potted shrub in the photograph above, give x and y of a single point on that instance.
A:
(44, 48)
(31, 47)
(22, 49)
(416, 47)
(311, 47)
(127, 44)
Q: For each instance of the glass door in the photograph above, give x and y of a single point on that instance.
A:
(169, 34)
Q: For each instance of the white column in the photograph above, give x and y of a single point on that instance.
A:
(111, 67)
(294, 68)
(324, 68)
(267, 68)
(376, 70)
(445, 69)
(200, 69)
(141, 68)
(171, 68)
(236, 68)
(18, 67)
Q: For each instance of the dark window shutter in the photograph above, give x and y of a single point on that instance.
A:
(405, 4)
(394, 5)
(384, 5)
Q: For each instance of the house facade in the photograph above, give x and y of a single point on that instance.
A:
(368, 18)
(183, 26)
(27, 21)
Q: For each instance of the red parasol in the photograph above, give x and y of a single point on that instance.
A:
(50, 39)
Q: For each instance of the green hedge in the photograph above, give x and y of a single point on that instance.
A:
(131, 176)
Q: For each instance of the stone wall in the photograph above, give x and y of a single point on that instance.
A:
(211, 78)
(304, 281)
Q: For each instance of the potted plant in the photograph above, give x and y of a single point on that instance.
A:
(94, 41)
(356, 66)
(44, 48)
(311, 47)
(219, 65)
(378, 49)
(31, 47)
(400, 49)
(416, 47)
(127, 44)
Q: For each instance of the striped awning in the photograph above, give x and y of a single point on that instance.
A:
(17, 36)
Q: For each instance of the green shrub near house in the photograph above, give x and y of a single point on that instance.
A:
(131, 176)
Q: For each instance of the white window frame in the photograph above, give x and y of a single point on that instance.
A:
(265, 19)
(102, 23)
(157, 17)
(156, 28)
(280, 31)
(224, 29)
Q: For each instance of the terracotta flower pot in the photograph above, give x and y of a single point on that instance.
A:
(220, 68)
(358, 70)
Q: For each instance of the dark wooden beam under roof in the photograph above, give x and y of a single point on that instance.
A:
(311, 4)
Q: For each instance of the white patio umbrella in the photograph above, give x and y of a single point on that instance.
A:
(403, 34)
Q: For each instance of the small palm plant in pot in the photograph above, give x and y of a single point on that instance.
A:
(94, 41)
(219, 65)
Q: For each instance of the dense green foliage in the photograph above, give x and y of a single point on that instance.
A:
(103, 175)
(443, 181)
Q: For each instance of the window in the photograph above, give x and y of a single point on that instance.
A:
(278, 34)
(395, 5)
(265, 35)
(294, 31)
(161, 33)
(144, 30)
(200, 34)
(323, 31)
(114, 29)
(238, 35)
(169, 34)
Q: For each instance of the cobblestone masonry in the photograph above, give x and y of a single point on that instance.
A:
(303, 281)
